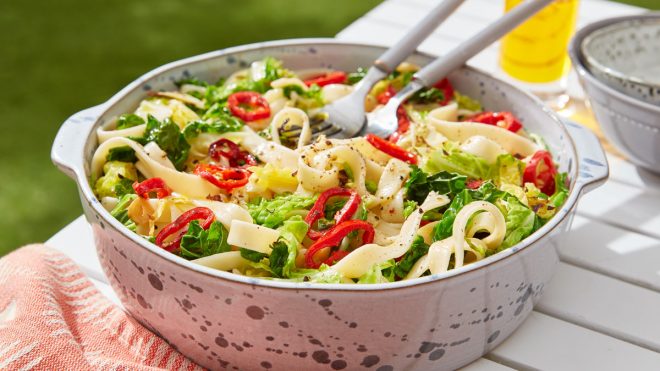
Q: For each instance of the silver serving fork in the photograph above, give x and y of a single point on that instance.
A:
(383, 122)
(345, 117)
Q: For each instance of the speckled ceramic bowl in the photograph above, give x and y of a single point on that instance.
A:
(226, 321)
(624, 53)
(631, 124)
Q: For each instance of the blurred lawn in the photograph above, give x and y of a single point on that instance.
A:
(58, 57)
(651, 4)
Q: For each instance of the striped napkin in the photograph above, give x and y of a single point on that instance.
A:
(53, 318)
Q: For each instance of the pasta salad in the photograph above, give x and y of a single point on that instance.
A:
(231, 175)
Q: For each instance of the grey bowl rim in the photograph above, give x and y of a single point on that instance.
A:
(83, 183)
(578, 62)
(618, 24)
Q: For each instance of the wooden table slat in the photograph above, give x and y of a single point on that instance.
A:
(407, 16)
(546, 343)
(625, 172)
(604, 304)
(613, 251)
(483, 364)
(371, 31)
(629, 207)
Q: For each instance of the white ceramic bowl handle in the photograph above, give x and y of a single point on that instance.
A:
(593, 169)
(67, 151)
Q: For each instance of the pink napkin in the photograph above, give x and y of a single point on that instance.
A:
(53, 318)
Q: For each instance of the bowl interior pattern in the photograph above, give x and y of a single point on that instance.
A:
(626, 55)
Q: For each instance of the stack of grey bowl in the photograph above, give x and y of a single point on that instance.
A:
(618, 62)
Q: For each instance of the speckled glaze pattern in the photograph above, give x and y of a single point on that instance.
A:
(632, 125)
(625, 55)
(224, 321)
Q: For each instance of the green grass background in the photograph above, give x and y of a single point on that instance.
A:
(58, 57)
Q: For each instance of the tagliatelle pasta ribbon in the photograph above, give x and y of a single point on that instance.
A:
(496, 226)
(511, 142)
(186, 184)
(484, 216)
(360, 260)
(225, 261)
(291, 117)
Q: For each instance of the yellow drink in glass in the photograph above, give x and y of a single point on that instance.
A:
(535, 52)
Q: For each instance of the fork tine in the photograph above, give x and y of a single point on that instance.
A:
(316, 130)
(334, 132)
(313, 125)
(323, 127)
(328, 131)
(293, 130)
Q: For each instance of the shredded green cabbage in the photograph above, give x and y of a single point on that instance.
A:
(272, 213)
(117, 179)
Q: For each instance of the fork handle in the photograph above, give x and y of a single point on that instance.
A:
(442, 66)
(409, 42)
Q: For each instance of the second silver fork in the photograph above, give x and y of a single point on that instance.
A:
(346, 116)
(384, 121)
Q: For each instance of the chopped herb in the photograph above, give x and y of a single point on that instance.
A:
(198, 243)
(372, 186)
(123, 154)
(287, 90)
(251, 255)
(420, 184)
(418, 249)
(218, 126)
(430, 95)
(120, 211)
(128, 120)
(124, 187)
(561, 190)
(444, 227)
(168, 137)
(278, 257)
(272, 70)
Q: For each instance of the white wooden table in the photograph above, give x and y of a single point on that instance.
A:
(602, 309)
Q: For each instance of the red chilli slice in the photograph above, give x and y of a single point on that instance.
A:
(318, 210)
(334, 77)
(392, 149)
(541, 171)
(179, 227)
(232, 152)
(334, 237)
(248, 106)
(222, 178)
(505, 120)
(152, 185)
